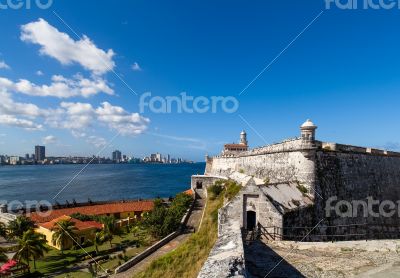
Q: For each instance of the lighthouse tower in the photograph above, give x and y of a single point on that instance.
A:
(243, 138)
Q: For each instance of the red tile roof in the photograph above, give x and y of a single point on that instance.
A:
(241, 146)
(101, 209)
(79, 225)
(189, 192)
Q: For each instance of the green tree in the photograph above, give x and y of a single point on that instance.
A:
(163, 220)
(3, 256)
(19, 226)
(97, 241)
(31, 246)
(3, 230)
(64, 231)
(109, 230)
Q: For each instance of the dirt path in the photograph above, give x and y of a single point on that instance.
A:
(193, 222)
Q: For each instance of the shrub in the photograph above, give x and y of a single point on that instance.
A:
(82, 217)
(232, 189)
(163, 220)
(241, 171)
(215, 189)
(302, 188)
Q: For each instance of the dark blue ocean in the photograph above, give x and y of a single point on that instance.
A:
(99, 182)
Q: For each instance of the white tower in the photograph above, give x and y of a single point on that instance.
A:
(243, 138)
(308, 130)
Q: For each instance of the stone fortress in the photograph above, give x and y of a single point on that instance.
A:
(285, 190)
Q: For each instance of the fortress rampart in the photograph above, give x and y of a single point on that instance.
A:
(320, 170)
(287, 188)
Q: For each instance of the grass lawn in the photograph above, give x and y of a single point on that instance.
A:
(114, 262)
(75, 274)
(187, 260)
(54, 261)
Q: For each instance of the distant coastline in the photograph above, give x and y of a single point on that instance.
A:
(96, 163)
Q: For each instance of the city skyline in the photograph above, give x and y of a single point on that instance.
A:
(76, 104)
(39, 156)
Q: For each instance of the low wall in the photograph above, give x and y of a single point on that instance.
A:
(135, 260)
(226, 258)
(204, 180)
(132, 262)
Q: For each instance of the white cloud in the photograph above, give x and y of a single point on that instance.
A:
(3, 65)
(60, 87)
(78, 134)
(136, 67)
(77, 117)
(96, 141)
(50, 139)
(9, 107)
(66, 50)
(19, 114)
(18, 122)
(120, 120)
(39, 73)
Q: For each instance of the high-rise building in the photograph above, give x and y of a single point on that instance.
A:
(158, 157)
(169, 159)
(116, 156)
(40, 153)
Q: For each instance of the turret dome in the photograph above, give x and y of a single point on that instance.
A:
(308, 124)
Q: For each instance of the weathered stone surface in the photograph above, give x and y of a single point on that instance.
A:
(300, 175)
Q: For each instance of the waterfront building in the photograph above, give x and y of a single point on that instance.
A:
(120, 210)
(233, 148)
(84, 230)
(40, 153)
(116, 156)
(14, 160)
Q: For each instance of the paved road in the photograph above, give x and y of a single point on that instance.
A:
(193, 222)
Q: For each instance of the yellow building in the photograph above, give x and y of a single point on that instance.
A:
(83, 231)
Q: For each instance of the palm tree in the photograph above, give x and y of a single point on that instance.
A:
(109, 229)
(3, 256)
(64, 230)
(97, 241)
(19, 226)
(31, 245)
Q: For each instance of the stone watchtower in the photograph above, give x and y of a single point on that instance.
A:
(243, 138)
(308, 131)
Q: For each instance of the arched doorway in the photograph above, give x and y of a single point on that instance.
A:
(199, 185)
(251, 220)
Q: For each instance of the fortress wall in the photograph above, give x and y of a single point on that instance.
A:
(352, 177)
(356, 176)
(284, 162)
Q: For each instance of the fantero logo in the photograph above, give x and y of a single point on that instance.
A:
(187, 104)
(25, 4)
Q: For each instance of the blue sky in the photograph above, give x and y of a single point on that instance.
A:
(342, 72)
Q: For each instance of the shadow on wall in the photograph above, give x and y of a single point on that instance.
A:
(262, 261)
